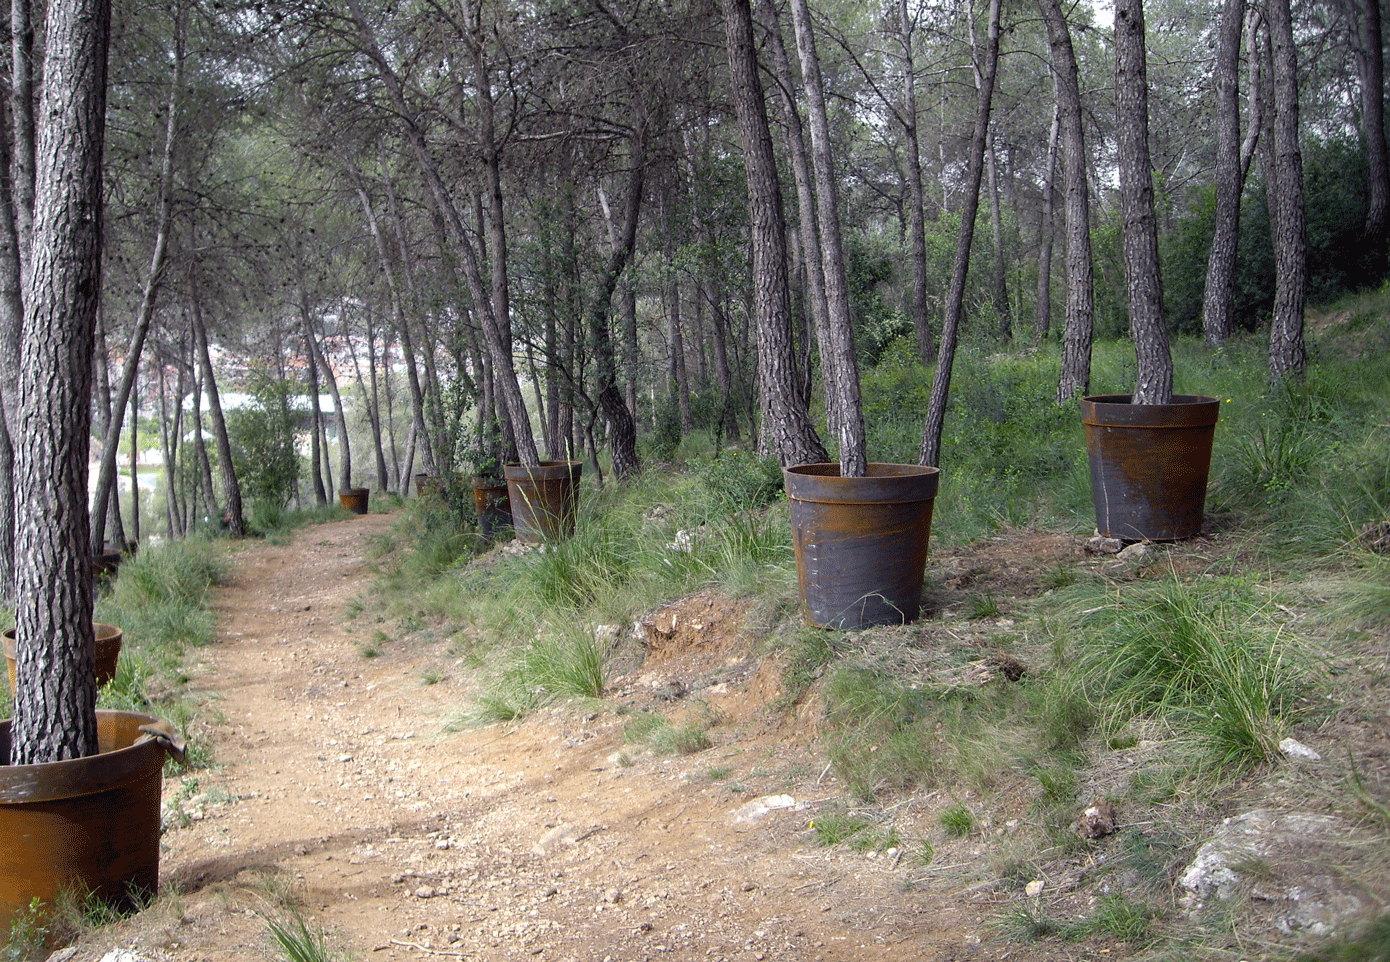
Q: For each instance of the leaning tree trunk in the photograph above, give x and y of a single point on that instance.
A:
(930, 452)
(496, 331)
(1075, 377)
(787, 430)
(623, 438)
(1288, 359)
(231, 488)
(55, 703)
(154, 280)
(1143, 281)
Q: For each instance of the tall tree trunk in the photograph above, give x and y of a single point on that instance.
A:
(1002, 308)
(311, 370)
(169, 427)
(1075, 377)
(1288, 360)
(1371, 65)
(808, 229)
(930, 452)
(840, 366)
(916, 195)
(55, 703)
(231, 488)
(1042, 309)
(135, 462)
(787, 431)
(329, 379)
(1143, 282)
(1218, 300)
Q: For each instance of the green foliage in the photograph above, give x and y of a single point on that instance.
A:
(262, 436)
(1339, 260)
(665, 439)
(26, 941)
(735, 481)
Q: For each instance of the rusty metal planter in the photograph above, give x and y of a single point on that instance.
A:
(1149, 464)
(354, 499)
(89, 825)
(542, 499)
(106, 652)
(494, 506)
(861, 543)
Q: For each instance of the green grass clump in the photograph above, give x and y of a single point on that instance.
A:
(957, 821)
(558, 664)
(1208, 657)
(295, 939)
(667, 738)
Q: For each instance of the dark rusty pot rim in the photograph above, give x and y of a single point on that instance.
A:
(1118, 410)
(545, 471)
(884, 483)
(51, 781)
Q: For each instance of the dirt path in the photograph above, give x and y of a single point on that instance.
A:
(542, 840)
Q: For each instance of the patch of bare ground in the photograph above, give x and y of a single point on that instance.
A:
(556, 839)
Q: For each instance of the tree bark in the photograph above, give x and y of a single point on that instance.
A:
(311, 369)
(1143, 282)
(1075, 377)
(55, 703)
(1218, 301)
(231, 488)
(917, 201)
(1042, 309)
(840, 366)
(930, 452)
(1288, 359)
(787, 430)
(808, 229)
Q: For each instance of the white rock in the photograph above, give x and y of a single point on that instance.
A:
(759, 807)
(1034, 888)
(1296, 749)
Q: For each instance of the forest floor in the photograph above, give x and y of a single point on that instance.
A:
(338, 785)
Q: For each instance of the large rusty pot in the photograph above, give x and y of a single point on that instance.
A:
(491, 498)
(542, 499)
(861, 543)
(1149, 464)
(105, 654)
(88, 825)
(354, 499)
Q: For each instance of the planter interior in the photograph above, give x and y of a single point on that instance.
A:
(89, 825)
(542, 499)
(1149, 464)
(106, 654)
(861, 543)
